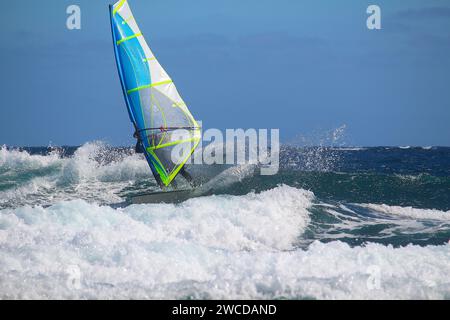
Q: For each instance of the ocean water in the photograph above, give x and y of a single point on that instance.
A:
(334, 223)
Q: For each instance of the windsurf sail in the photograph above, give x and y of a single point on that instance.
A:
(161, 118)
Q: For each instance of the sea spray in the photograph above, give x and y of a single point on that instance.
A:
(373, 226)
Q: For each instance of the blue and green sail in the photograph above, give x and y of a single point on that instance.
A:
(167, 130)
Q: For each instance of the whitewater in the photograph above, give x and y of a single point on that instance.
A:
(340, 231)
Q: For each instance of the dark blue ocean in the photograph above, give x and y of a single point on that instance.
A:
(333, 223)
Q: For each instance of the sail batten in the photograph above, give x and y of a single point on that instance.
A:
(149, 86)
(152, 99)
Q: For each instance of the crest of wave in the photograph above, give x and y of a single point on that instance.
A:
(21, 160)
(98, 161)
(94, 172)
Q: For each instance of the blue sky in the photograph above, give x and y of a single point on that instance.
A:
(300, 66)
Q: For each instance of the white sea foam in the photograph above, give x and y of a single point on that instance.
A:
(409, 212)
(22, 160)
(84, 175)
(84, 165)
(93, 173)
(138, 243)
(211, 247)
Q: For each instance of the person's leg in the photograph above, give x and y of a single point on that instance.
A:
(160, 183)
(138, 148)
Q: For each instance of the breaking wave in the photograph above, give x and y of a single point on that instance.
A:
(94, 172)
(308, 232)
(210, 247)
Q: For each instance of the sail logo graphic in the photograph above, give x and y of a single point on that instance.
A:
(73, 21)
